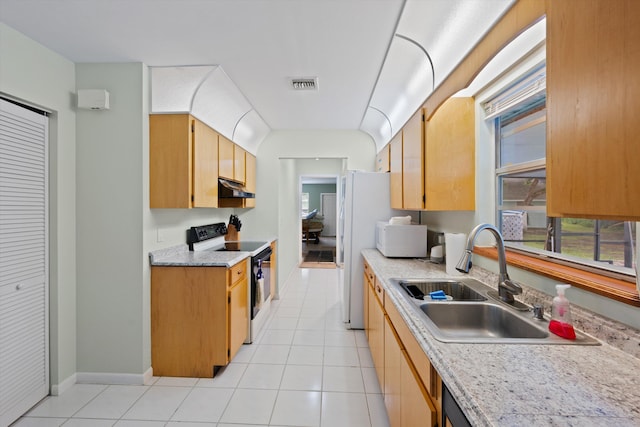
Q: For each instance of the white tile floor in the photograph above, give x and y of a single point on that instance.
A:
(305, 369)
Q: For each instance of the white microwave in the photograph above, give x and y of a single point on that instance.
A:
(401, 241)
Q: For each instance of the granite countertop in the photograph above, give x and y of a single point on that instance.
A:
(514, 384)
(180, 255)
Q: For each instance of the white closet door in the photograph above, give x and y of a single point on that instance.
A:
(24, 297)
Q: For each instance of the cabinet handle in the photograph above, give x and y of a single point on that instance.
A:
(378, 289)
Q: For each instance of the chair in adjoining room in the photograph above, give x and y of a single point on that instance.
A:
(312, 226)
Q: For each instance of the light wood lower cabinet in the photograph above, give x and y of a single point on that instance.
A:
(199, 318)
(376, 331)
(412, 388)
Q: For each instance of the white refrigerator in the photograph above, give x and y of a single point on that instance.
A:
(366, 201)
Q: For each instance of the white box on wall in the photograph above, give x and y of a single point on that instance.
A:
(93, 99)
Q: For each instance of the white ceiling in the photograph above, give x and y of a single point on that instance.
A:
(261, 44)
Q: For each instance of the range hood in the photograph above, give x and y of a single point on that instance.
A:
(233, 190)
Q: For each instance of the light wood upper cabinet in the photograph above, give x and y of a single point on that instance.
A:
(412, 158)
(382, 160)
(395, 166)
(593, 99)
(450, 157)
(231, 160)
(239, 164)
(183, 162)
(250, 178)
(199, 318)
(226, 150)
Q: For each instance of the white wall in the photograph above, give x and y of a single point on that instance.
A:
(277, 182)
(36, 75)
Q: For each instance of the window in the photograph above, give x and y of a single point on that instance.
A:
(519, 115)
(304, 203)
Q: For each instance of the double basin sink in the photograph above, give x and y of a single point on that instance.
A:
(472, 313)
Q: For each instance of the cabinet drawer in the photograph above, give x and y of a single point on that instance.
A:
(237, 272)
(368, 272)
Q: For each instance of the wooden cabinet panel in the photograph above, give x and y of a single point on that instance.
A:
(183, 171)
(395, 167)
(205, 166)
(239, 163)
(425, 371)
(376, 334)
(170, 159)
(199, 318)
(392, 379)
(450, 156)
(188, 320)
(226, 150)
(416, 408)
(382, 160)
(250, 178)
(592, 103)
(238, 315)
(412, 162)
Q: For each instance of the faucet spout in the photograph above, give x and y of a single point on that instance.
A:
(506, 287)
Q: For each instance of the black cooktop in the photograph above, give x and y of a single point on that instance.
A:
(240, 246)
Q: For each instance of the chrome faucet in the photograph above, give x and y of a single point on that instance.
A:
(506, 287)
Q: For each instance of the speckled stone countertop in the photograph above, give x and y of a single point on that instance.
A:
(180, 255)
(523, 385)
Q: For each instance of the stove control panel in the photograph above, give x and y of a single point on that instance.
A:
(205, 232)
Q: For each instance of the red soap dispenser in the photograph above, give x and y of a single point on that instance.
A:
(561, 323)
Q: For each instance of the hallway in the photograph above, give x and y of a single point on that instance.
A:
(305, 369)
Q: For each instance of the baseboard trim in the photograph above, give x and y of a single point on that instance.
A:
(58, 389)
(115, 378)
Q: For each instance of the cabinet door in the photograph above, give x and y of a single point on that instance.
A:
(250, 179)
(412, 158)
(239, 164)
(205, 166)
(376, 334)
(170, 161)
(592, 106)
(392, 381)
(395, 166)
(188, 320)
(238, 316)
(382, 160)
(225, 158)
(450, 156)
(416, 408)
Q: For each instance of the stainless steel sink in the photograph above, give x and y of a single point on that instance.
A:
(470, 315)
(455, 290)
(475, 321)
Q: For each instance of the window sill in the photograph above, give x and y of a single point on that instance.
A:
(609, 287)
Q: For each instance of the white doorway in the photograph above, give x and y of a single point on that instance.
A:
(328, 208)
(319, 220)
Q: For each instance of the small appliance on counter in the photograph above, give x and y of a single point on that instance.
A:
(401, 240)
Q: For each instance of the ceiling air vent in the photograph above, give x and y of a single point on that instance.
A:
(310, 83)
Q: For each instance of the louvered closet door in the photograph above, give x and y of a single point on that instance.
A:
(24, 346)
